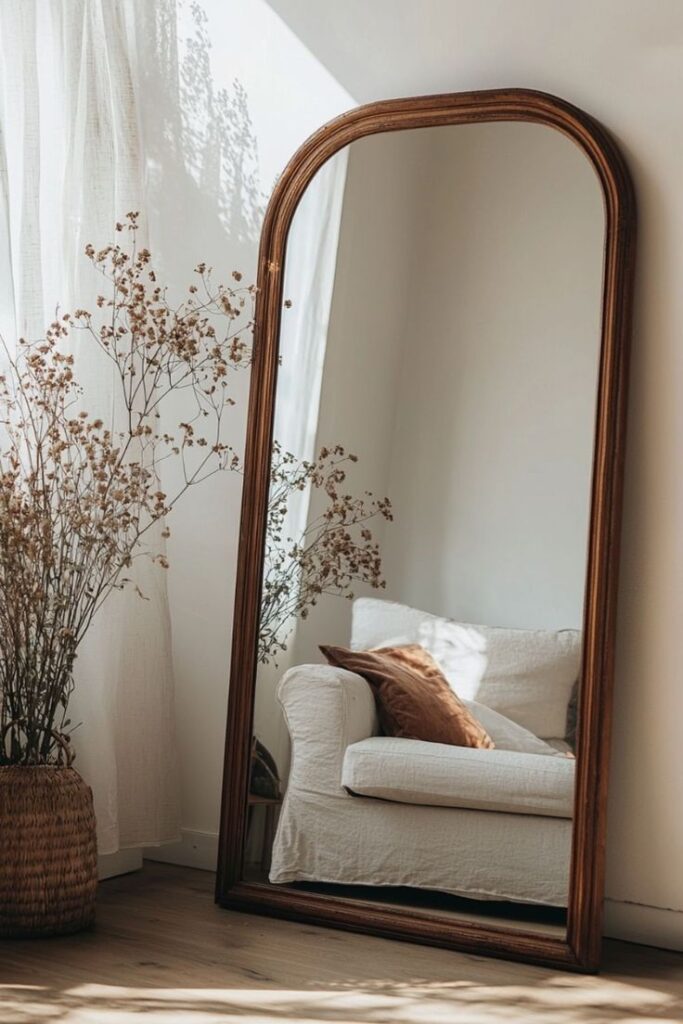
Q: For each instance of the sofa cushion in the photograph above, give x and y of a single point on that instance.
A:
(433, 774)
(525, 674)
(502, 731)
(414, 700)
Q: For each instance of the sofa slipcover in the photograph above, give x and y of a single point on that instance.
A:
(326, 835)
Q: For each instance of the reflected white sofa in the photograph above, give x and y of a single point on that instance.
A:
(366, 809)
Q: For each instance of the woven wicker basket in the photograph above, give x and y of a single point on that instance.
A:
(48, 851)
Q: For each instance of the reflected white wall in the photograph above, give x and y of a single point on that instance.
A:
(461, 366)
(492, 456)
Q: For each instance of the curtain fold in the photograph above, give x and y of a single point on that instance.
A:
(71, 165)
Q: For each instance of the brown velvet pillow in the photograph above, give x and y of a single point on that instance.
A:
(413, 698)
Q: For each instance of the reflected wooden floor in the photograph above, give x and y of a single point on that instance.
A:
(504, 914)
(546, 920)
(163, 951)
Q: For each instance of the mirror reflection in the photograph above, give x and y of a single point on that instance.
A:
(423, 584)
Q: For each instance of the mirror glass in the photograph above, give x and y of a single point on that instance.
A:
(427, 526)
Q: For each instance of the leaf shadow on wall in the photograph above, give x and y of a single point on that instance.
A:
(204, 194)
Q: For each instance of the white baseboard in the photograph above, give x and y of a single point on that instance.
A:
(120, 863)
(651, 926)
(632, 922)
(195, 850)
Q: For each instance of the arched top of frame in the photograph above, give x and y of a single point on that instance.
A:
(448, 109)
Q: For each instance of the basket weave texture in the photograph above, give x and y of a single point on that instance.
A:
(48, 851)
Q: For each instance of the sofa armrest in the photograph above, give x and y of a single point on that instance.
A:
(326, 709)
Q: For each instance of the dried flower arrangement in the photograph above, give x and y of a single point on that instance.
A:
(335, 551)
(80, 500)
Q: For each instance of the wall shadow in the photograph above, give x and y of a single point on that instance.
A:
(203, 162)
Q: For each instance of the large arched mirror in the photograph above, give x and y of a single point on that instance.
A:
(422, 657)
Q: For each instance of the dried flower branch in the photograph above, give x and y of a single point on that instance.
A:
(80, 499)
(335, 551)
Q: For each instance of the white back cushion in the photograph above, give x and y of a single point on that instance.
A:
(525, 674)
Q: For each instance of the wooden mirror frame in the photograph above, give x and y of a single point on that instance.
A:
(580, 948)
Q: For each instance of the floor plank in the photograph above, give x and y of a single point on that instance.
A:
(162, 949)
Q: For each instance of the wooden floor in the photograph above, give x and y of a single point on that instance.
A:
(163, 952)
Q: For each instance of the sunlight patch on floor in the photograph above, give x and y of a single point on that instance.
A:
(557, 1000)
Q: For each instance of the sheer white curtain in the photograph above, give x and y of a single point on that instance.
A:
(70, 167)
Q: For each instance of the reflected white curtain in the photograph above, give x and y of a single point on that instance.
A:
(70, 167)
(309, 284)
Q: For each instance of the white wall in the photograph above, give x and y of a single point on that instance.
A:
(620, 60)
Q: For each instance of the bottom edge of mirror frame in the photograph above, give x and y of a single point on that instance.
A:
(410, 925)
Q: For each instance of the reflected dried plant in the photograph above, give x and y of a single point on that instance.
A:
(81, 499)
(335, 551)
